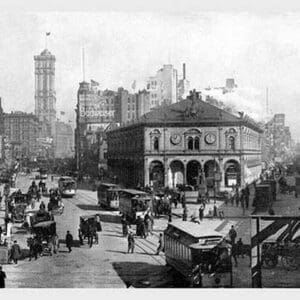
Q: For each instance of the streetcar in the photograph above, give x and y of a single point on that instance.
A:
(134, 204)
(67, 186)
(108, 195)
(201, 256)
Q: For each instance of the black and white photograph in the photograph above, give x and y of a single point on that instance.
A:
(150, 146)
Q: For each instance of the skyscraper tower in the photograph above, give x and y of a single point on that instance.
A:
(45, 98)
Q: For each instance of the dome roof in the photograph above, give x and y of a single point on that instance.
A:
(46, 52)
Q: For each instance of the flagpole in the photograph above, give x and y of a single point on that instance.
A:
(46, 40)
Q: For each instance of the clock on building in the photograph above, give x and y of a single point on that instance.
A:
(210, 138)
(175, 139)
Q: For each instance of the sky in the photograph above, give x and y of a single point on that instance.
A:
(258, 49)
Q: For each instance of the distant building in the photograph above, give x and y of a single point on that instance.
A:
(45, 96)
(143, 103)
(183, 85)
(96, 110)
(1, 132)
(230, 84)
(163, 86)
(126, 106)
(64, 140)
(277, 140)
(22, 131)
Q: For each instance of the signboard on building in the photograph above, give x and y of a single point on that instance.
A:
(96, 109)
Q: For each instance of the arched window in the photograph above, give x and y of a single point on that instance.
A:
(232, 143)
(197, 143)
(190, 143)
(156, 143)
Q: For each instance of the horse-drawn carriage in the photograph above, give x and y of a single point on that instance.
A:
(17, 204)
(55, 204)
(43, 188)
(89, 226)
(285, 248)
(161, 204)
(45, 240)
(34, 194)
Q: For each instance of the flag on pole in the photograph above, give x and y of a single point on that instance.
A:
(48, 33)
(133, 85)
(62, 113)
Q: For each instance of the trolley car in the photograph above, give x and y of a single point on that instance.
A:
(134, 204)
(67, 186)
(200, 255)
(108, 196)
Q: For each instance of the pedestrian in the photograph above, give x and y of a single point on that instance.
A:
(1, 234)
(80, 236)
(237, 197)
(160, 244)
(185, 214)
(69, 241)
(131, 242)
(221, 214)
(55, 243)
(32, 248)
(42, 206)
(239, 248)
(243, 200)
(247, 196)
(232, 235)
(124, 225)
(142, 228)
(175, 200)
(234, 254)
(183, 200)
(201, 211)
(215, 213)
(151, 224)
(170, 217)
(232, 196)
(15, 252)
(91, 233)
(2, 278)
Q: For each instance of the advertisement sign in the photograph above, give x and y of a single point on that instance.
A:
(96, 109)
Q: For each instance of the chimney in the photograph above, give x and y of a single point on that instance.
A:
(183, 69)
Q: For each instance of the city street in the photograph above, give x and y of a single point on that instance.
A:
(108, 264)
(104, 265)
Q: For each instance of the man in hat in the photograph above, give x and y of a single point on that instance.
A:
(15, 252)
(131, 242)
(69, 241)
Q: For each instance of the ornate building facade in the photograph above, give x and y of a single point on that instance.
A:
(45, 96)
(190, 142)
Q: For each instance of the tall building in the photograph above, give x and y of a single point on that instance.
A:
(96, 111)
(22, 130)
(45, 96)
(163, 86)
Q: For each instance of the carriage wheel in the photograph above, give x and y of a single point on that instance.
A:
(289, 262)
